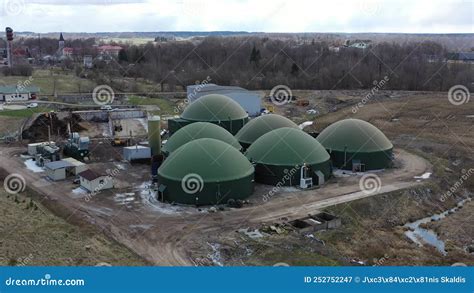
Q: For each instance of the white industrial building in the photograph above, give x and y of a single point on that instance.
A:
(95, 182)
(137, 152)
(57, 170)
(14, 93)
(250, 101)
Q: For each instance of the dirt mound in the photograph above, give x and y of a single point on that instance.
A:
(38, 131)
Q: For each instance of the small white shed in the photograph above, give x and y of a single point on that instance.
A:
(95, 182)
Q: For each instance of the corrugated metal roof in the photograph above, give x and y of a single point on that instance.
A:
(74, 161)
(58, 165)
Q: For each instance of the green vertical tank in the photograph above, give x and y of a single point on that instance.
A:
(154, 135)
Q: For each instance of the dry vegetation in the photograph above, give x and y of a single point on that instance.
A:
(32, 235)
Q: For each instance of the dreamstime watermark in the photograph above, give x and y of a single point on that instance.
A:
(458, 95)
(108, 178)
(281, 94)
(103, 95)
(13, 7)
(286, 178)
(380, 261)
(192, 183)
(281, 264)
(14, 183)
(457, 185)
(193, 7)
(370, 183)
(24, 261)
(198, 88)
(377, 86)
(369, 7)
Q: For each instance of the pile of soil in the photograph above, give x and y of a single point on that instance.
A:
(38, 131)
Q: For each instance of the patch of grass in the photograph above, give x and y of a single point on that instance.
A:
(23, 113)
(165, 105)
(293, 258)
(31, 235)
(46, 80)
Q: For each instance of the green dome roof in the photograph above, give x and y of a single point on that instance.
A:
(214, 108)
(211, 159)
(261, 125)
(287, 147)
(198, 130)
(355, 135)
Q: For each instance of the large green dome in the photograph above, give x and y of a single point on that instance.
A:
(287, 147)
(199, 130)
(354, 136)
(211, 159)
(214, 108)
(261, 125)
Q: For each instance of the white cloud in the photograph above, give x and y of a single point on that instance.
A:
(421, 16)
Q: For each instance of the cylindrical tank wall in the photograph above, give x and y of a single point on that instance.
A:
(154, 137)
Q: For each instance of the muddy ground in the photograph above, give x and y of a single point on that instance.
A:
(425, 127)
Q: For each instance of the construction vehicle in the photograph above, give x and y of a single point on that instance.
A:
(119, 141)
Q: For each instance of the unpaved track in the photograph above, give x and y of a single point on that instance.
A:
(167, 238)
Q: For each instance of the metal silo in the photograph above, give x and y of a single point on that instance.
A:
(154, 136)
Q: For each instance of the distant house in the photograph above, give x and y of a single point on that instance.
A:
(68, 51)
(94, 182)
(109, 50)
(18, 93)
(88, 63)
(359, 45)
(461, 57)
(250, 101)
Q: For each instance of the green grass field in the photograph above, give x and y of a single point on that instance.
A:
(166, 106)
(23, 113)
(65, 81)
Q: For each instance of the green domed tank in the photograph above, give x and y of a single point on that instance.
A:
(203, 172)
(280, 154)
(261, 125)
(199, 130)
(217, 109)
(356, 144)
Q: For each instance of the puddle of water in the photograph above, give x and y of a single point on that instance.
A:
(424, 176)
(423, 236)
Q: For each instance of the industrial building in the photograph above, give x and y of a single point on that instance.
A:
(261, 125)
(203, 172)
(18, 93)
(199, 130)
(57, 170)
(288, 157)
(77, 166)
(356, 145)
(249, 101)
(94, 181)
(218, 109)
(136, 153)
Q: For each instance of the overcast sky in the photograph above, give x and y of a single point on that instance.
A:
(408, 16)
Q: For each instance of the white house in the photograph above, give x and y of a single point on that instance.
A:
(95, 182)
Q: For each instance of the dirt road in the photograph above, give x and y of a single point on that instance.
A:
(166, 238)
